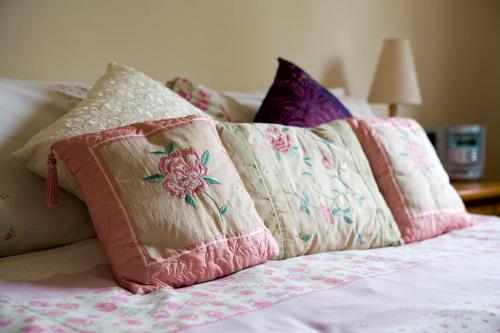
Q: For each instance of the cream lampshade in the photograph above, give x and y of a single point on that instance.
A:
(395, 81)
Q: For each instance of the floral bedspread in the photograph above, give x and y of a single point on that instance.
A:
(447, 284)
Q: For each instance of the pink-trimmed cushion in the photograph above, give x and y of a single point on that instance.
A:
(411, 177)
(167, 203)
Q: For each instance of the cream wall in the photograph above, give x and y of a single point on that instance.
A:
(233, 44)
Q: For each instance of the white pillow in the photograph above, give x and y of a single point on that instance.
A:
(247, 104)
(26, 223)
(120, 97)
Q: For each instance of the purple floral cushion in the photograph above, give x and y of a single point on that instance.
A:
(297, 99)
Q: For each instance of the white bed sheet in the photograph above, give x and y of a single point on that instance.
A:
(447, 284)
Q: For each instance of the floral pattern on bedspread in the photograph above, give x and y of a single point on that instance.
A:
(480, 314)
(114, 309)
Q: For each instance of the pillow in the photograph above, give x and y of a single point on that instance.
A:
(357, 107)
(167, 203)
(26, 223)
(243, 106)
(122, 96)
(313, 188)
(411, 178)
(203, 98)
(297, 99)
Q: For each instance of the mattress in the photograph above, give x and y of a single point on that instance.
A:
(446, 284)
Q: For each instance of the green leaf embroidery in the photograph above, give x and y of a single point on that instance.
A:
(205, 157)
(307, 160)
(156, 178)
(347, 210)
(359, 239)
(278, 156)
(211, 180)
(158, 153)
(305, 237)
(284, 129)
(310, 175)
(191, 200)
(335, 211)
(347, 219)
(360, 199)
(224, 209)
(170, 148)
(304, 205)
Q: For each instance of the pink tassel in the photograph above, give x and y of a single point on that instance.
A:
(52, 187)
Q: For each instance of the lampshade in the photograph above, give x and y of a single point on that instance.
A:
(395, 80)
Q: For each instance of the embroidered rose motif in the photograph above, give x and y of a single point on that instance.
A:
(417, 154)
(278, 140)
(327, 163)
(326, 213)
(202, 105)
(184, 175)
(185, 94)
(183, 172)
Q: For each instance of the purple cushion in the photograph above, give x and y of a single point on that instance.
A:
(297, 99)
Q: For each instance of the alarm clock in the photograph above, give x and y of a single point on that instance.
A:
(461, 149)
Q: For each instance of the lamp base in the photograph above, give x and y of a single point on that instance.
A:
(393, 110)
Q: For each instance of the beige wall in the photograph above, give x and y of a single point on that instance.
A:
(233, 44)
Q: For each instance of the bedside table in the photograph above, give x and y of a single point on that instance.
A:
(480, 197)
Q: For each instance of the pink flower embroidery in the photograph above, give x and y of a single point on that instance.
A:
(278, 140)
(327, 163)
(106, 307)
(31, 329)
(160, 315)
(40, 304)
(184, 175)
(418, 155)
(205, 93)
(5, 322)
(185, 94)
(202, 105)
(68, 306)
(326, 213)
(183, 171)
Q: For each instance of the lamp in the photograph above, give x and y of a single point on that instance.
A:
(395, 80)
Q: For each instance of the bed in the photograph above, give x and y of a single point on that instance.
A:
(56, 276)
(450, 283)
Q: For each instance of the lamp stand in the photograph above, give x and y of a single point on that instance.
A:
(393, 110)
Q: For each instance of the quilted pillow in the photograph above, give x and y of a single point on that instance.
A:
(411, 177)
(167, 203)
(121, 96)
(313, 188)
(297, 99)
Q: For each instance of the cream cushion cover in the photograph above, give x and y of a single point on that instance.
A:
(312, 187)
(120, 97)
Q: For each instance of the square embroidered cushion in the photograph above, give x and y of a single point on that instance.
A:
(167, 203)
(121, 96)
(312, 187)
(411, 177)
(296, 99)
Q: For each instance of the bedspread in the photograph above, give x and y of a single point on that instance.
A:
(446, 284)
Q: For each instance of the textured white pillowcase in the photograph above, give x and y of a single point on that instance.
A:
(26, 223)
(120, 97)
